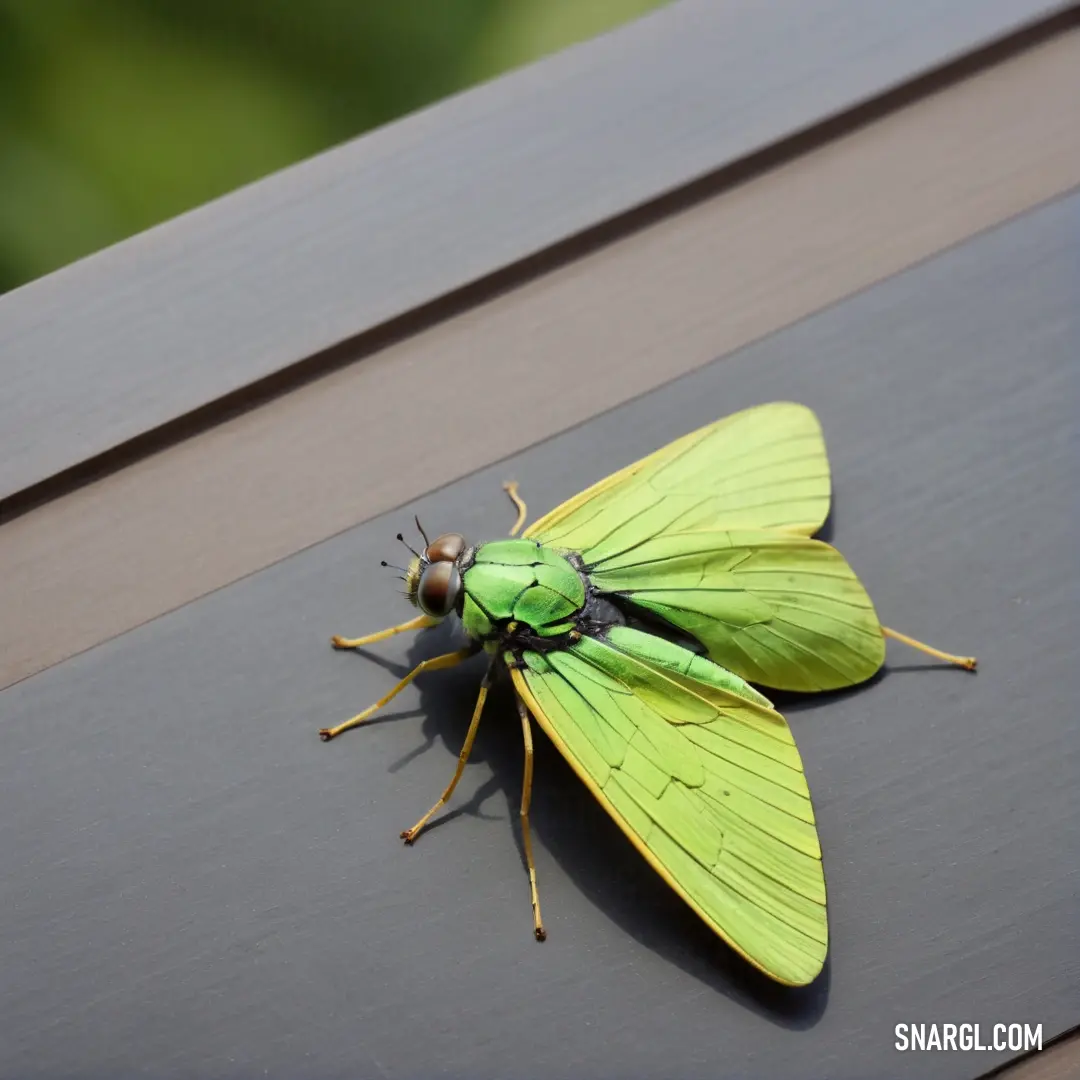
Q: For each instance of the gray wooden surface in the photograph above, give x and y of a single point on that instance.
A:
(618, 323)
(195, 885)
(154, 328)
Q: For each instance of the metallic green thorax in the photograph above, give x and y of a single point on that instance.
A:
(520, 581)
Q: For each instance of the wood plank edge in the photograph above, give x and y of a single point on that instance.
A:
(1059, 1059)
(520, 272)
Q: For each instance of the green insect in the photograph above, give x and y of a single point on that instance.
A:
(706, 543)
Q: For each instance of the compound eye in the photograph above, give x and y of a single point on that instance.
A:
(445, 548)
(439, 588)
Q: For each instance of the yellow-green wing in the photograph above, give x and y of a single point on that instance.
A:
(782, 611)
(762, 468)
(703, 778)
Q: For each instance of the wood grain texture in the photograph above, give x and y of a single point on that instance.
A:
(195, 885)
(158, 326)
(615, 324)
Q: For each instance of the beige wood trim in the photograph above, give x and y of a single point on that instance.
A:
(620, 322)
(1061, 1061)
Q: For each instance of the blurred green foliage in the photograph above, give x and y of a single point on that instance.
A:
(117, 114)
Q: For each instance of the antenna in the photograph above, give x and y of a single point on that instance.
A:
(409, 546)
(427, 542)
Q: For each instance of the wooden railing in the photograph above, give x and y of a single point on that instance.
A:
(545, 276)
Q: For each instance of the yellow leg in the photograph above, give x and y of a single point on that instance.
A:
(410, 835)
(968, 662)
(526, 837)
(419, 623)
(436, 663)
(511, 489)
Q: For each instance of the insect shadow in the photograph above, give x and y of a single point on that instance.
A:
(588, 847)
(825, 533)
